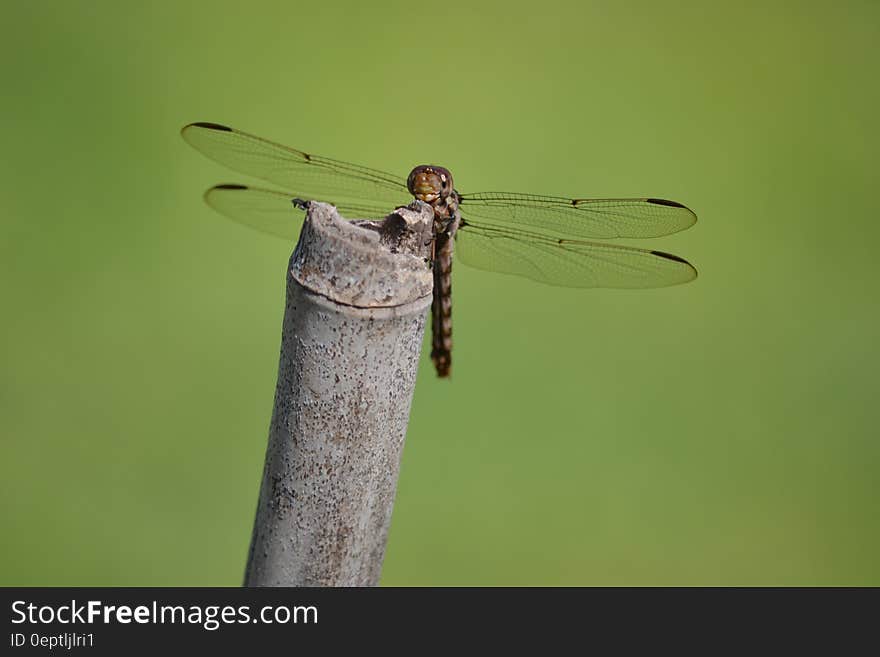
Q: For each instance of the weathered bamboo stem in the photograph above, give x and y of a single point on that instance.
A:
(357, 297)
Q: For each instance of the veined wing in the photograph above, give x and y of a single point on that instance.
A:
(273, 212)
(579, 218)
(306, 176)
(566, 262)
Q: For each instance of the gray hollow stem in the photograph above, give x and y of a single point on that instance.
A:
(357, 300)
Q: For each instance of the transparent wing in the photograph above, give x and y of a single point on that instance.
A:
(273, 212)
(306, 176)
(565, 262)
(577, 218)
(528, 235)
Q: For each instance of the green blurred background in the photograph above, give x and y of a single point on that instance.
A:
(721, 432)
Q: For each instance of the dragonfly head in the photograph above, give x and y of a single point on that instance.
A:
(429, 183)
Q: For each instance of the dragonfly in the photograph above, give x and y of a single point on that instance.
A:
(548, 239)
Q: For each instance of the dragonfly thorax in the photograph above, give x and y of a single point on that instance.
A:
(433, 185)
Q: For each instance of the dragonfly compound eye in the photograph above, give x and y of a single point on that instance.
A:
(429, 183)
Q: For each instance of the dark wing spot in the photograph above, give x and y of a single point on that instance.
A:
(669, 256)
(230, 186)
(308, 157)
(574, 201)
(463, 223)
(663, 201)
(211, 126)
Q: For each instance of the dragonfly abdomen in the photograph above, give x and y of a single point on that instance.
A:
(441, 308)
